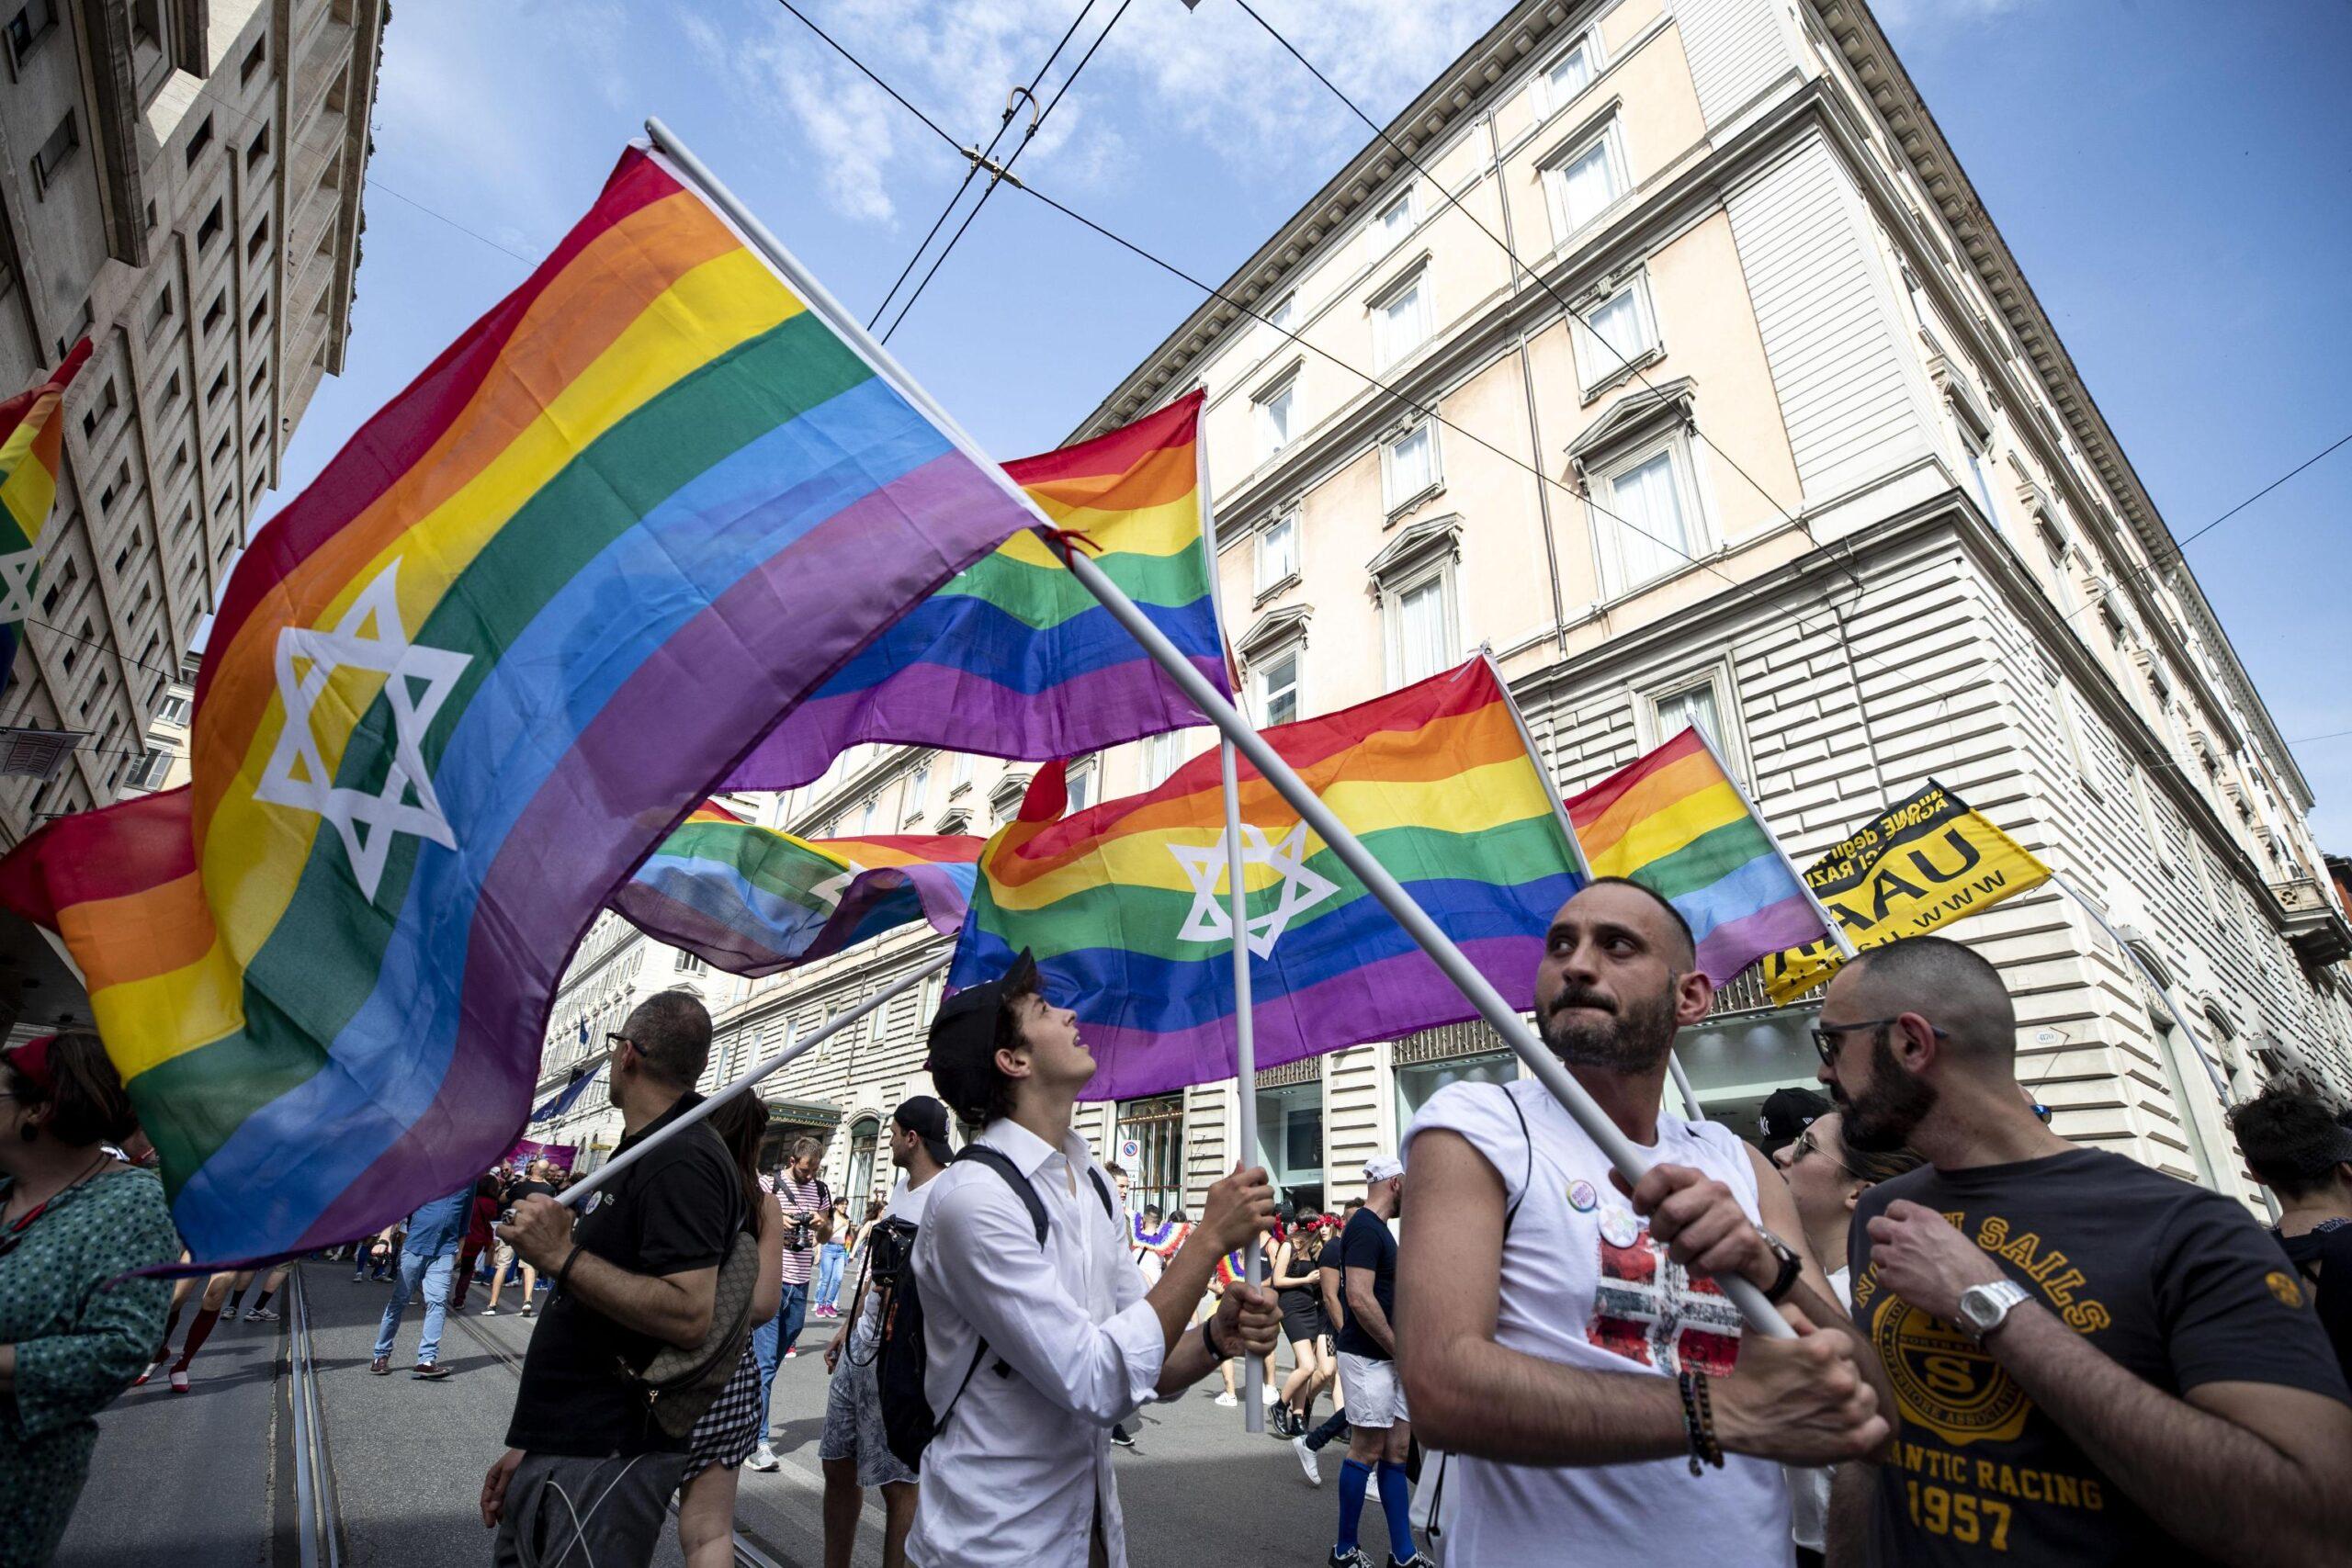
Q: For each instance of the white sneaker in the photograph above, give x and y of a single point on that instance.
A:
(1266, 1394)
(1227, 1400)
(763, 1457)
(1306, 1460)
(489, 1311)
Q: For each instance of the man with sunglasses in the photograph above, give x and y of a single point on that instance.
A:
(2092, 1362)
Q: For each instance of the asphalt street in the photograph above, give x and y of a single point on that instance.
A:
(200, 1478)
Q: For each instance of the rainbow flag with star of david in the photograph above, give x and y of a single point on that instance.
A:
(1125, 905)
(526, 618)
(32, 441)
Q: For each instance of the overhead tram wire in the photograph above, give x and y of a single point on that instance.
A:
(1002, 172)
(972, 169)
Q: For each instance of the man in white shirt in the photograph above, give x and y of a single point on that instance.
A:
(1564, 1342)
(1019, 1474)
(854, 1450)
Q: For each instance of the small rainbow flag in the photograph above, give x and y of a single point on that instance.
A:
(1014, 658)
(465, 682)
(32, 439)
(754, 900)
(1125, 906)
(1673, 822)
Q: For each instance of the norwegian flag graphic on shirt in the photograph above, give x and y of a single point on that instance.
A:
(1648, 1309)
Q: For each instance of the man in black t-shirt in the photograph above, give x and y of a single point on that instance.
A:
(2300, 1150)
(588, 1469)
(2093, 1363)
(1380, 1434)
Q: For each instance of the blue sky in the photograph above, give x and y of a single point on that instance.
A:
(2178, 191)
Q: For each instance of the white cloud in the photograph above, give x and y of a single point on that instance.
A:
(1902, 18)
(1211, 77)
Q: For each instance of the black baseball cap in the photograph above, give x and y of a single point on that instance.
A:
(962, 1035)
(1789, 1111)
(927, 1120)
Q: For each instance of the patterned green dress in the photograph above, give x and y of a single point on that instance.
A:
(77, 1346)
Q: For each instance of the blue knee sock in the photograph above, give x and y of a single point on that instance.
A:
(1396, 1502)
(1354, 1476)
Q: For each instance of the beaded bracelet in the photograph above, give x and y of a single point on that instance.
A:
(1699, 1422)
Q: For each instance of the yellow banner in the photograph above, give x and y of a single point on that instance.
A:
(1916, 868)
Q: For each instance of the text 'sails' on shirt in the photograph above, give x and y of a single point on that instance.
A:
(675, 1211)
(2173, 1282)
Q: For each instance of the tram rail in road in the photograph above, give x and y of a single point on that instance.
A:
(316, 1526)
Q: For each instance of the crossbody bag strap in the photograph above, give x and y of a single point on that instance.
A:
(1512, 1213)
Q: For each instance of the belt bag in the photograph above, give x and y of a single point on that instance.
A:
(681, 1385)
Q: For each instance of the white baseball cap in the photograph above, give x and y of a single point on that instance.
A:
(1380, 1167)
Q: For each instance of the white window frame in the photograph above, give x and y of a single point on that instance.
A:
(1391, 496)
(1083, 780)
(2070, 735)
(1610, 136)
(1415, 280)
(1385, 239)
(1440, 572)
(1282, 312)
(1651, 729)
(1282, 390)
(1598, 366)
(1162, 754)
(2143, 797)
(1268, 578)
(1548, 91)
(1261, 692)
(960, 776)
(918, 786)
(1608, 558)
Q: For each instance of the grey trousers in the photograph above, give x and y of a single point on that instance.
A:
(586, 1513)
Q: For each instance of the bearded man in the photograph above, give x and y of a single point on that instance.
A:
(1563, 1339)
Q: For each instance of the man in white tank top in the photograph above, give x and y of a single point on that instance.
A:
(1568, 1348)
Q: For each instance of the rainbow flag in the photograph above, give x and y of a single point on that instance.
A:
(1125, 906)
(32, 440)
(465, 682)
(1673, 822)
(1014, 658)
(754, 900)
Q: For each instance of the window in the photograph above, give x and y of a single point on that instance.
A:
(1693, 708)
(260, 314)
(1616, 335)
(171, 394)
(866, 814)
(108, 400)
(955, 822)
(29, 26)
(53, 153)
(1422, 637)
(1004, 801)
(199, 141)
(257, 240)
(1284, 311)
(159, 314)
(1568, 75)
(1400, 320)
(1980, 479)
(689, 964)
(258, 148)
(2070, 735)
(1290, 1141)
(961, 774)
(918, 786)
(255, 58)
(1277, 683)
(213, 315)
(150, 770)
(219, 387)
(1395, 221)
(1408, 466)
(1278, 552)
(1582, 182)
(1163, 754)
(1646, 517)
(172, 710)
(864, 1138)
(1417, 1081)
(1156, 1171)
(57, 588)
(1704, 705)
(1079, 780)
(1274, 411)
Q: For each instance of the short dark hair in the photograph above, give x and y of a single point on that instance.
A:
(739, 1122)
(671, 1030)
(1953, 984)
(2292, 1141)
(1115, 1168)
(999, 1102)
(1690, 942)
(85, 1099)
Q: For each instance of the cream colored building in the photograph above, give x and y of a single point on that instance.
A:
(180, 181)
(1813, 471)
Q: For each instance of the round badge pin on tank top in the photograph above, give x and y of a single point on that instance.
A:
(1618, 1226)
(1583, 1197)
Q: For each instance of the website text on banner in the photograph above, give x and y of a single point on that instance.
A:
(438, 721)
(1923, 863)
(755, 900)
(1124, 906)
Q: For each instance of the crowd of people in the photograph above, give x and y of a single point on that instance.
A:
(2001, 1345)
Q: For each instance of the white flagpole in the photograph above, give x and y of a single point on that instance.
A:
(793, 1048)
(1628, 1159)
(1545, 763)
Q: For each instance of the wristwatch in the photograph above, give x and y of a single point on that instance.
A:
(1984, 1308)
(1786, 1280)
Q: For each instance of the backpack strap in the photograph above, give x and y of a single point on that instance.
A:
(1512, 1213)
(1109, 1210)
(1001, 1163)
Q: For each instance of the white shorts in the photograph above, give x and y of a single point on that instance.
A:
(1375, 1394)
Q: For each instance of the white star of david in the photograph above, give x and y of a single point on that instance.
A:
(417, 680)
(16, 569)
(831, 891)
(1210, 918)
